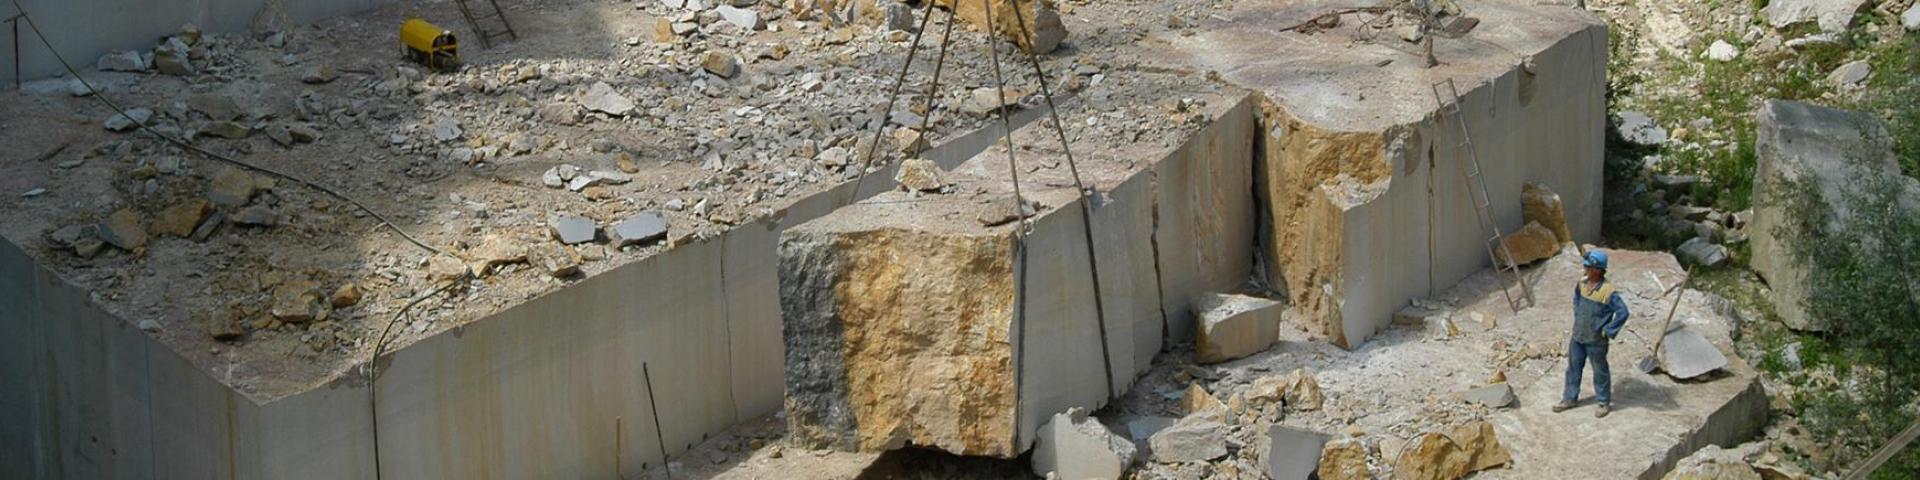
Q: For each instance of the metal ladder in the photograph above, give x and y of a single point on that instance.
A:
(486, 36)
(1477, 188)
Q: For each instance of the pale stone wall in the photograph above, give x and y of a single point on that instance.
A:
(1354, 214)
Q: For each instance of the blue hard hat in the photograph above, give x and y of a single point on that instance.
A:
(1596, 259)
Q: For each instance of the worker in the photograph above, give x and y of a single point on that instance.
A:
(1598, 315)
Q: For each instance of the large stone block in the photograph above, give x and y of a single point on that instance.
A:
(1234, 326)
(1364, 204)
(909, 322)
(896, 337)
(1806, 149)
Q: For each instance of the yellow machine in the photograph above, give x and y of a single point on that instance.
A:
(430, 45)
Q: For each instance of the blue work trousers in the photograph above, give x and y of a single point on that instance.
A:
(1596, 354)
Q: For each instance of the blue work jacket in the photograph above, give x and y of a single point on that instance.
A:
(1598, 313)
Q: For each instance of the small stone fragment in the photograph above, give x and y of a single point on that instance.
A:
(297, 301)
(558, 260)
(1482, 448)
(638, 229)
(720, 63)
(122, 61)
(447, 130)
(572, 230)
(226, 129)
(1431, 456)
(1073, 445)
(1005, 209)
(494, 252)
(1850, 73)
(909, 141)
(346, 296)
(1639, 129)
(741, 17)
(1291, 453)
(182, 219)
(1700, 251)
(122, 122)
(920, 175)
(225, 327)
(318, 74)
(1234, 326)
(1721, 51)
(1194, 439)
(123, 230)
(1344, 459)
(1303, 391)
(257, 215)
(602, 98)
(1496, 395)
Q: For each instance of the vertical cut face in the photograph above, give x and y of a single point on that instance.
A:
(923, 321)
(1307, 223)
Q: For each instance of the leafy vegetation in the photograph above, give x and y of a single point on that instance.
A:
(1863, 282)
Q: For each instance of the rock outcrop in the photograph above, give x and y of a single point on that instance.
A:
(1806, 149)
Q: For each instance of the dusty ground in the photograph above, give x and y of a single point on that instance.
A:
(706, 152)
(1399, 384)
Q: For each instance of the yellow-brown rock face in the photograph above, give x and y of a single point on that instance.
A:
(919, 322)
(1540, 204)
(1311, 177)
(1043, 32)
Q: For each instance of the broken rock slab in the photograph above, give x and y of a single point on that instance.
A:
(1233, 326)
(1831, 15)
(1700, 251)
(122, 122)
(1539, 204)
(1496, 395)
(1194, 439)
(600, 98)
(123, 229)
(1344, 459)
(571, 229)
(1431, 456)
(123, 61)
(1075, 446)
(1639, 129)
(1686, 354)
(1482, 447)
(920, 175)
(638, 229)
(1529, 244)
(1291, 453)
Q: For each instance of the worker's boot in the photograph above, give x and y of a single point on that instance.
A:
(1562, 406)
(1603, 411)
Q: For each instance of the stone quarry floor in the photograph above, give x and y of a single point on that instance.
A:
(1401, 383)
(458, 160)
